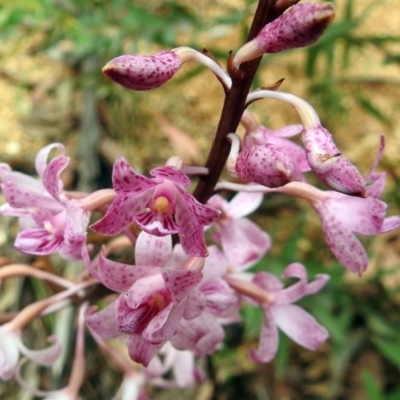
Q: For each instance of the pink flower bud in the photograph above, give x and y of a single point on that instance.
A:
(300, 26)
(265, 164)
(329, 165)
(139, 72)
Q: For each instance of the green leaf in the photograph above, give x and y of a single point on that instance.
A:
(371, 388)
(389, 349)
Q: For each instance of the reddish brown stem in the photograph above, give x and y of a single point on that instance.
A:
(233, 106)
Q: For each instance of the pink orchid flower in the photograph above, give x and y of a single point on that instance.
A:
(153, 296)
(50, 222)
(243, 242)
(279, 312)
(159, 205)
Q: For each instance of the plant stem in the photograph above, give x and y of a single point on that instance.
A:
(233, 106)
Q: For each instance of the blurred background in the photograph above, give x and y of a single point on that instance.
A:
(52, 90)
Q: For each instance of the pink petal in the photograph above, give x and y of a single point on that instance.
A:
(103, 323)
(142, 351)
(243, 242)
(344, 245)
(120, 277)
(153, 250)
(268, 342)
(390, 224)
(202, 335)
(45, 357)
(192, 216)
(122, 213)
(127, 181)
(244, 203)
(157, 223)
(364, 216)
(221, 300)
(180, 282)
(194, 305)
(215, 265)
(38, 241)
(267, 281)
(20, 197)
(172, 174)
(163, 325)
(75, 232)
(143, 289)
(43, 155)
(51, 176)
(300, 326)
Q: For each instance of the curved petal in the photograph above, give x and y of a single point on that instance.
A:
(267, 281)
(390, 224)
(51, 176)
(344, 245)
(191, 216)
(215, 265)
(126, 181)
(103, 323)
(153, 250)
(122, 213)
(243, 242)
(364, 216)
(38, 241)
(202, 335)
(75, 230)
(120, 277)
(9, 353)
(244, 203)
(43, 155)
(21, 197)
(157, 223)
(163, 325)
(300, 326)
(172, 174)
(20, 180)
(195, 304)
(268, 342)
(141, 351)
(180, 282)
(45, 357)
(221, 300)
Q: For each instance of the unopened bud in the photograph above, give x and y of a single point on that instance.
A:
(138, 72)
(302, 25)
(265, 164)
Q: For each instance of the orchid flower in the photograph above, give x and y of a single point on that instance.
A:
(50, 222)
(243, 242)
(279, 312)
(159, 205)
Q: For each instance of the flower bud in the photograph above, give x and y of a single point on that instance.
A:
(300, 26)
(329, 165)
(265, 164)
(138, 72)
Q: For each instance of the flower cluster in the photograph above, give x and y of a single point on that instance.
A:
(193, 253)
